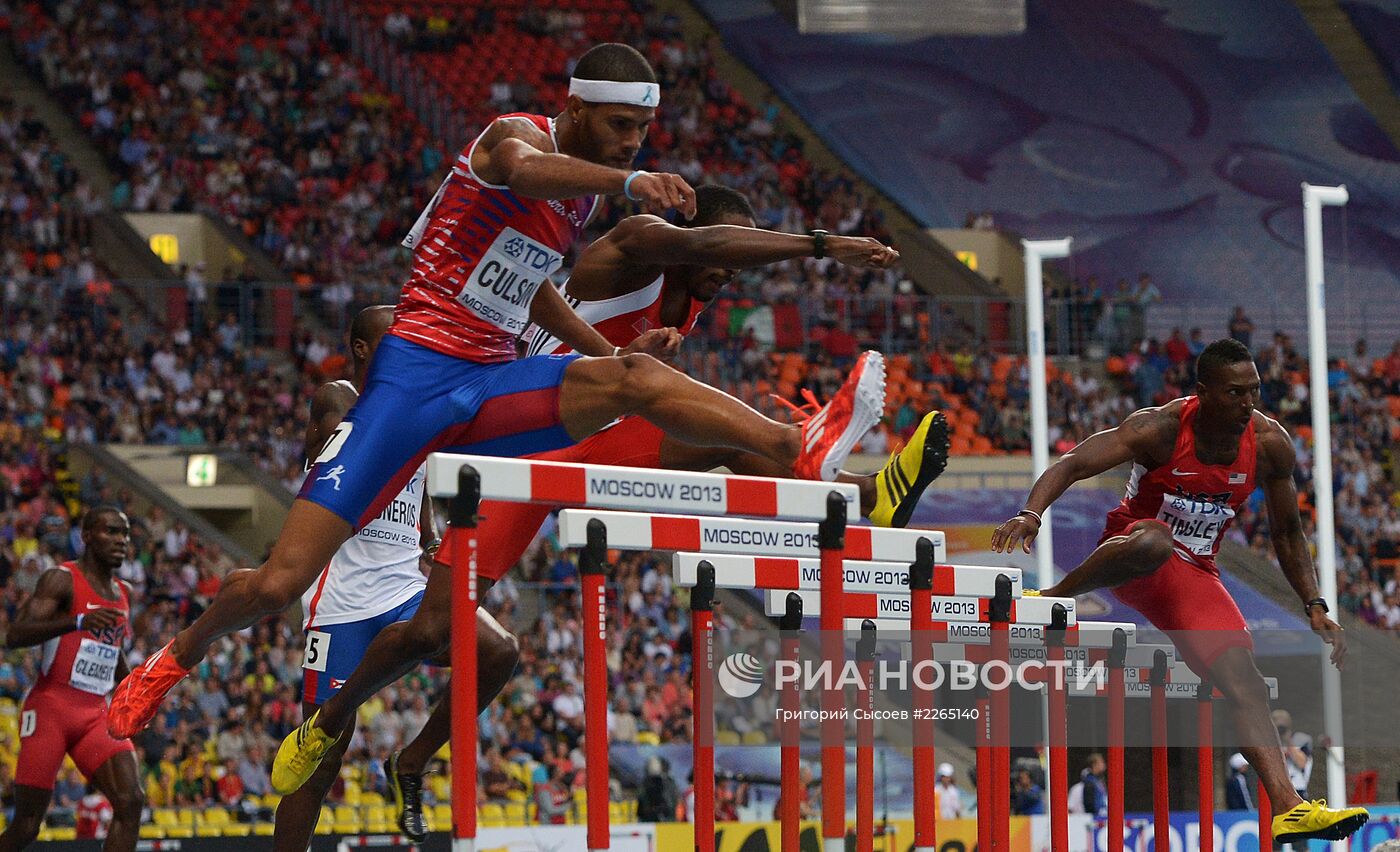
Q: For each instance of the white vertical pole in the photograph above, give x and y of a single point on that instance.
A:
(1036, 252)
(1314, 199)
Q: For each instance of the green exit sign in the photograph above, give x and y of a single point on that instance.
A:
(202, 471)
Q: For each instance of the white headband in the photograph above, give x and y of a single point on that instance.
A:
(613, 92)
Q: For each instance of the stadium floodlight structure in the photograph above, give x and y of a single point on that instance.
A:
(1314, 199)
(1036, 253)
(907, 18)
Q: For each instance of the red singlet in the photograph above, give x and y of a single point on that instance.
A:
(480, 252)
(1196, 502)
(619, 319)
(66, 711)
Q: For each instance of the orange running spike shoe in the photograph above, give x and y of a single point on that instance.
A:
(829, 435)
(138, 697)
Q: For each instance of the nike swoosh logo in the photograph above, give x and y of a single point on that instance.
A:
(1176, 472)
(94, 606)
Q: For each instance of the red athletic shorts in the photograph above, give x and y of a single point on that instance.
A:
(59, 720)
(506, 529)
(1187, 602)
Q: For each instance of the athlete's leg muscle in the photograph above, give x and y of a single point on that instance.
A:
(1138, 553)
(297, 814)
(310, 537)
(31, 803)
(399, 647)
(119, 779)
(597, 391)
(1247, 697)
(498, 651)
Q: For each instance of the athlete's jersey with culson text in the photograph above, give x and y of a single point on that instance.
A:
(480, 253)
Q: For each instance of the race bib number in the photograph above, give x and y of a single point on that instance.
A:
(94, 667)
(506, 278)
(27, 722)
(1196, 524)
(318, 650)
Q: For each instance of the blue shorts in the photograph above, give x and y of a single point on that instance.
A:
(334, 650)
(417, 401)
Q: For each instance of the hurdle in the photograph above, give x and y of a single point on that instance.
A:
(1036, 629)
(734, 542)
(623, 508)
(1166, 679)
(467, 480)
(966, 594)
(789, 736)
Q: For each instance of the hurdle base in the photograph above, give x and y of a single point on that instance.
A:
(833, 844)
(464, 844)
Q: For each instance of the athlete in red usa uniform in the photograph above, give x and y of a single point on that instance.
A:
(515, 201)
(80, 613)
(1195, 462)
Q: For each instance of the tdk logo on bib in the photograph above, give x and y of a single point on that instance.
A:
(505, 280)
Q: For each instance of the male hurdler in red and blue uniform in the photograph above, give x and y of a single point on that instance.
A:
(514, 203)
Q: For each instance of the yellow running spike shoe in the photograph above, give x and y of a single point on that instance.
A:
(901, 482)
(299, 755)
(1315, 821)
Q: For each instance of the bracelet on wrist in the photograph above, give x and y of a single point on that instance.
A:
(818, 243)
(627, 186)
(1039, 521)
(431, 548)
(1308, 607)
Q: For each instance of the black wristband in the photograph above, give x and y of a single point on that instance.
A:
(818, 243)
(1322, 602)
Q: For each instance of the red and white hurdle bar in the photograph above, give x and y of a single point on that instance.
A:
(966, 593)
(999, 622)
(1149, 671)
(467, 480)
(775, 542)
(602, 487)
(1035, 624)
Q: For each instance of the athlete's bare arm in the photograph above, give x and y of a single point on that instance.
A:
(427, 535)
(634, 252)
(44, 615)
(328, 407)
(1146, 436)
(1277, 459)
(517, 154)
(550, 312)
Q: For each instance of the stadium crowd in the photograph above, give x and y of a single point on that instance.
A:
(243, 110)
(64, 381)
(45, 213)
